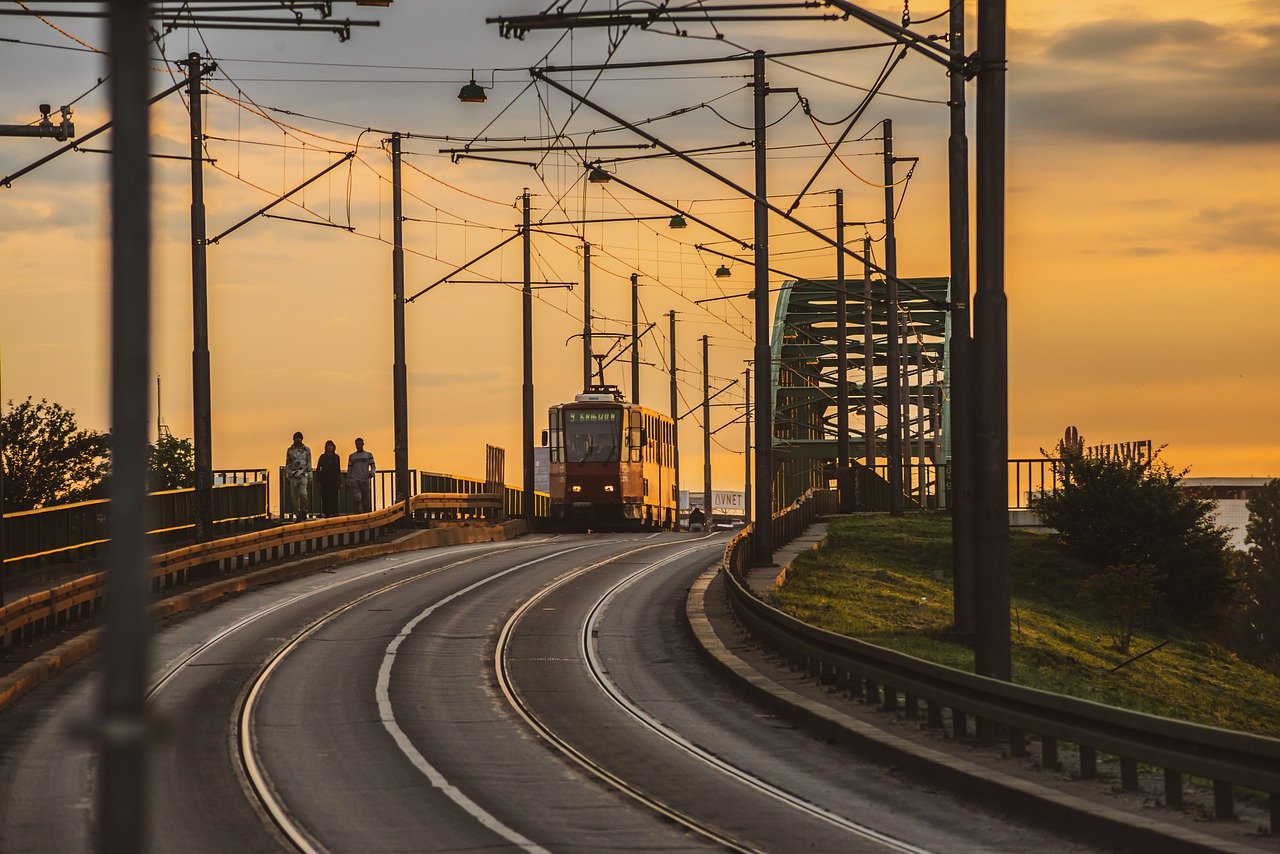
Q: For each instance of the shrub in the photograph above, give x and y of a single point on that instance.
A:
(1113, 512)
(1124, 594)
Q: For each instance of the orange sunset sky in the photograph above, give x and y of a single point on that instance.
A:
(1143, 239)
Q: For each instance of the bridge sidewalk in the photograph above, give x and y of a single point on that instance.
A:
(762, 579)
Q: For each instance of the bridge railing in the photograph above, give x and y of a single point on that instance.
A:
(38, 613)
(72, 532)
(896, 681)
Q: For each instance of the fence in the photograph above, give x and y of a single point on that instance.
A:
(896, 681)
(73, 532)
(512, 497)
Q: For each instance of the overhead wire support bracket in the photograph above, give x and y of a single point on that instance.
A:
(457, 270)
(262, 211)
(9, 179)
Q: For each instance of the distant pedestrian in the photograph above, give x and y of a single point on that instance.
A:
(297, 476)
(360, 469)
(697, 519)
(328, 474)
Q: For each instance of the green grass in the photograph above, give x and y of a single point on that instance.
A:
(888, 582)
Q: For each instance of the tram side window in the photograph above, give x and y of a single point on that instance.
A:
(633, 438)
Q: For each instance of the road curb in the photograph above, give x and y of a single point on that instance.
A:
(44, 667)
(1063, 812)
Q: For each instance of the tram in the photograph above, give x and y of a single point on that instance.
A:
(612, 464)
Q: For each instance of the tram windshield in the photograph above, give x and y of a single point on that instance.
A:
(592, 435)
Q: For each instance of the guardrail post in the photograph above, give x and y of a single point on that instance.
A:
(934, 714)
(1224, 807)
(1173, 792)
(890, 699)
(912, 705)
(959, 725)
(870, 692)
(1048, 753)
(1017, 742)
(1128, 774)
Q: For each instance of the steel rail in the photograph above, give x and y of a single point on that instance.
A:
(1226, 757)
(590, 766)
(255, 776)
(600, 674)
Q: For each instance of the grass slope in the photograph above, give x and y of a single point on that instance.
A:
(887, 581)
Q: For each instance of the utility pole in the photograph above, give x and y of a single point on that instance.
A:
(894, 379)
(706, 431)
(399, 372)
(868, 359)
(991, 360)
(201, 392)
(763, 539)
(586, 314)
(635, 337)
(675, 414)
(526, 503)
(962, 385)
(842, 366)
(123, 722)
(746, 445)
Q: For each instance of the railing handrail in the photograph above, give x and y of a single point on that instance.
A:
(1244, 759)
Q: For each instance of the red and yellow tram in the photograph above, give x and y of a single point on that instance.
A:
(612, 464)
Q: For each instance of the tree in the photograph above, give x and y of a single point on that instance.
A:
(1124, 594)
(1261, 567)
(1117, 512)
(173, 464)
(47, 458)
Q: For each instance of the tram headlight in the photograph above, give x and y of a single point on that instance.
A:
(575, 488)
(608, 487)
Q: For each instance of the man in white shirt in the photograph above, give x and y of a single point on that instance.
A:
(360, 469)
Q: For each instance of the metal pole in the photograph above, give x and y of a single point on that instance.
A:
(586, 315)
(675, 416)
(991, 371)
(920, 437)
(893, 381)
(706, 432)
(527, 337)
(399, 371)
(123, 732)
(868, 361)
(746, 445)
(635, 337)
(202, 406)
(763, 539)
(961, 369)
(842, 366)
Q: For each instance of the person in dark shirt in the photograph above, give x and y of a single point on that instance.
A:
(696, 517)
(328, 473)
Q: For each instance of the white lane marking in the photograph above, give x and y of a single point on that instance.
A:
(204, 646)
(257, 777)
(600, 673)
(383, 694)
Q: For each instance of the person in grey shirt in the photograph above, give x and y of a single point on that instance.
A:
(360, 469)
(297, 476)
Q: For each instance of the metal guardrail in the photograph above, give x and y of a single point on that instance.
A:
(1012, 712)
(36, 614)
(512, 496)
(74, 531)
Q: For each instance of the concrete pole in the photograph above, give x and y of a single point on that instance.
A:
(706, 430)
(746, 445)
(961, 376)
(635, 337)
(868, 360)
(122, 725)
(992, 652)
(675, 413)
(763, 539)
(526, 318)
(893, 381)
(201, 404)
(842, 366)
(586, 315)
(400, 372)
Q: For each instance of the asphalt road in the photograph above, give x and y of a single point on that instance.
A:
(542, 694)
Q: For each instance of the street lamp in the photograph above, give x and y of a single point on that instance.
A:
(599, 176)
(723, 272)
(473, 92)
(677, 221)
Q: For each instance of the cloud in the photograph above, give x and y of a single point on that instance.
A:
(1241, 226)
(1179, 81)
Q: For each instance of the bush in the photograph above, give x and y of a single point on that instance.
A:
(1124, 594)
(1113, 512)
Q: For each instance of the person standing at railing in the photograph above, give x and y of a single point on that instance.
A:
(297, 476)
(360, 470)
(328, 474)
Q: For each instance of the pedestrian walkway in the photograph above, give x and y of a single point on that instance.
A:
(762, 579)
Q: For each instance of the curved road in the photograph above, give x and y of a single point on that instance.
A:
(541, 694)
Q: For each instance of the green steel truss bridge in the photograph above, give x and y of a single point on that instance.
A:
(805, 397)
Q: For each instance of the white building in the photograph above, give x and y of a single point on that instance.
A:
(1230, 494)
